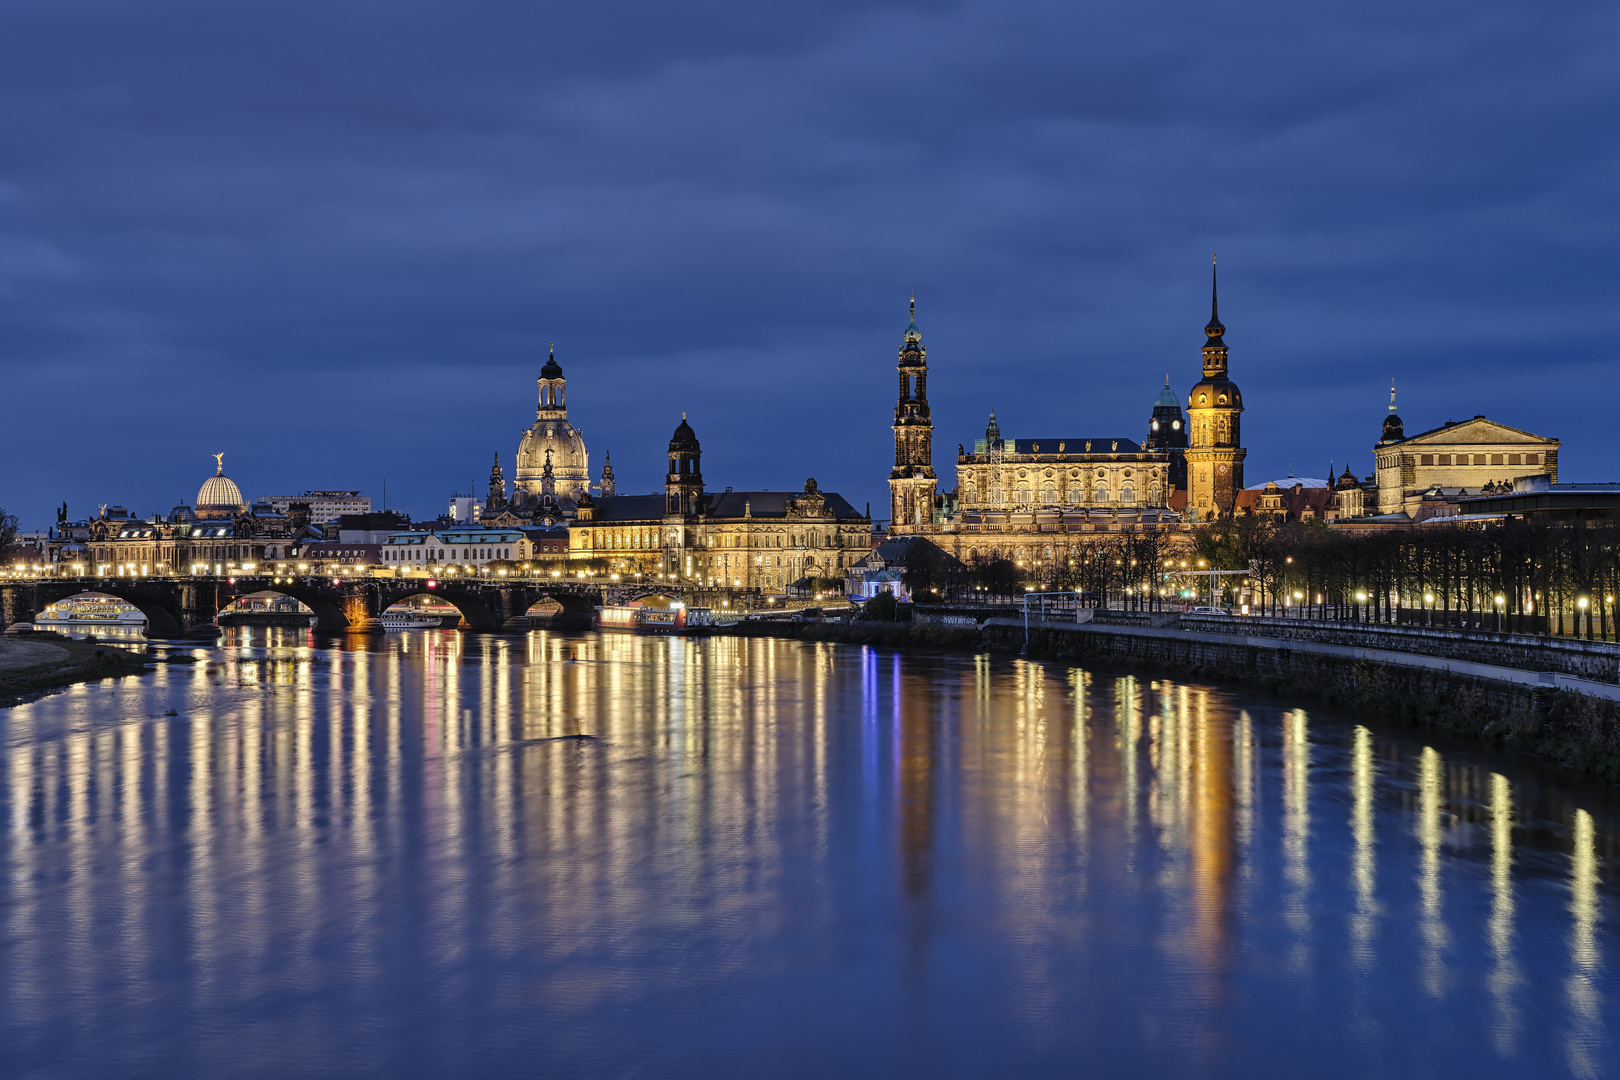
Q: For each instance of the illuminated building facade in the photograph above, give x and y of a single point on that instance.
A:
(739, 539)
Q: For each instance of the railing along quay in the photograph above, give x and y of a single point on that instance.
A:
(1595, 660)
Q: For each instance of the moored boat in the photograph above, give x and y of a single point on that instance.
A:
(93, 612)
(677, 619)
(410, 620)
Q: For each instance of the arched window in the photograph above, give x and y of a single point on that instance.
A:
(1049, 494)
(1127, 494)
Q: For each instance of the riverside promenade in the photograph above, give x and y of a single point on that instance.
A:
(1591, 668)
(1555, 697)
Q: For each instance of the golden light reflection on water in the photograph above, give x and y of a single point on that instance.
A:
(1504, 978)
(1364, 870)
(1296, 754)
(1586, 1033)
(1431, 919)
(585, 802)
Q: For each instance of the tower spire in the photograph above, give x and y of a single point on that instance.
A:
(912, 481)
(1392, 395)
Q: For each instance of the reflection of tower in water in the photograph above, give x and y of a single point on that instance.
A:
(1211, 839)
(915, 748)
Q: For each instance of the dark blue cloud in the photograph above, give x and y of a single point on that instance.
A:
(333, 239)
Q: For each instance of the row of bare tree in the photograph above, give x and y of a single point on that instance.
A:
(1564, 575)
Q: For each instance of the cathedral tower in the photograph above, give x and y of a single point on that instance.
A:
(1215, 452)
(683, 487)
(607, 474)
(912, 482)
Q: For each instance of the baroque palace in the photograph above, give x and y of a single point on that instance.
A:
(1013, 494)
(738, 539)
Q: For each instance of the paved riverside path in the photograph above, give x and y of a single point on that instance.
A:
(1546, 680)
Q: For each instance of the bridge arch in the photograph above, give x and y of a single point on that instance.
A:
(162, 620)
(475, 613)
(330, 614)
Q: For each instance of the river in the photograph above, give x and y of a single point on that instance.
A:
(558, 855)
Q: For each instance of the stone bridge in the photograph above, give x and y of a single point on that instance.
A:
(182, 607)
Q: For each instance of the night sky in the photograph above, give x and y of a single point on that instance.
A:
(333, 239)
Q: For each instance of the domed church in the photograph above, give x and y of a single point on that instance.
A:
(551, 441)
(219, 497)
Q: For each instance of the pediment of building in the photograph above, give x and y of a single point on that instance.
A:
(1477, 432)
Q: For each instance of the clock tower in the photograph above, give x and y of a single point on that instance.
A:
(1215, 449)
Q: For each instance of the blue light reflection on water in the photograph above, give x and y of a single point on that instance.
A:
(773, 857)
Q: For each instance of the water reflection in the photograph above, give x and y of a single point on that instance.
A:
(1585, 1000)
(1504, 978)
(1431, 917)
(439, 853)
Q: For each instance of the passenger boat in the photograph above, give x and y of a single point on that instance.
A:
(410, 620)
(98, 612)
(640, 620)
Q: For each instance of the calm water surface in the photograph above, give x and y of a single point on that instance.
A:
(393, 857)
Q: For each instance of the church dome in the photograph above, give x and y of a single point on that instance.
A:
(684, 438)
(552, 370)
(569, 463)
(219, 494)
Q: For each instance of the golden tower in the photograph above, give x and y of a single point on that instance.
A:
(1215, 454)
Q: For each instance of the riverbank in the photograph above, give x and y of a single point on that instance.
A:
(1573, 729)
(34, 663)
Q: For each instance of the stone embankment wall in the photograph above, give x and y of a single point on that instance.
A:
(1544, 717)
(1595, 660)
(1497, 694)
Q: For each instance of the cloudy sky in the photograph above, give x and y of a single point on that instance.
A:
(333, 239)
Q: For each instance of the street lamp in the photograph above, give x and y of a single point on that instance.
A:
(1428, 603)
(1500, 600)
